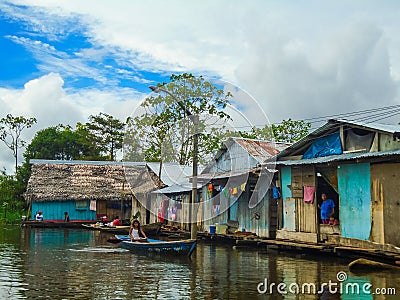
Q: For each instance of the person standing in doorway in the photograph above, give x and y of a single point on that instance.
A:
(66, 216)
(327, 209)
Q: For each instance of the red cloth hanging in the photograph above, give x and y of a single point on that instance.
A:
(309, 194)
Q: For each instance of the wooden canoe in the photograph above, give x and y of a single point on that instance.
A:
(150, 229)
(363, 265)
(110, 229)
(56, 224)
(182, 247)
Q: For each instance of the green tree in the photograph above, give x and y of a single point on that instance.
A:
(288, 131)
(161, 130)
(108, 133)
(10, 133)
(11, 197)
(62, 142)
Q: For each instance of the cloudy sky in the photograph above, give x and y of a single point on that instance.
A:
(61, 61)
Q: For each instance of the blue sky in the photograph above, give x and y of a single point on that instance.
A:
(63, 60)
(66, 48)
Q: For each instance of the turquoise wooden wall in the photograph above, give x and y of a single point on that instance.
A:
(54, 210)
(289, 205)
(286, 175)
(355, 200)
(234, 209)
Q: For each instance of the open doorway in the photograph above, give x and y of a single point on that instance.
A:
(324, 187)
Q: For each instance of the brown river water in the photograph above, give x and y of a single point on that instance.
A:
(80, 264)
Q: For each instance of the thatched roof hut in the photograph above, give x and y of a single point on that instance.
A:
(80, 180)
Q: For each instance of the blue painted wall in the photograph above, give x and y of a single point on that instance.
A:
(289, 206)
(355, 200)
(54, 210)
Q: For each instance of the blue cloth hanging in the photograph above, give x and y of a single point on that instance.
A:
(276, 192)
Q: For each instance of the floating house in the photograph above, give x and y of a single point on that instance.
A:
(85, 190)
(168, 203)
(236, 189)
(88, 190)
(173, 203)
(357, 165)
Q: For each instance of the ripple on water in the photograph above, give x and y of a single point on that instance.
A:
(12, 284)
(81, 265)
(100, 250)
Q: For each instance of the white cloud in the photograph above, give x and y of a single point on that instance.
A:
(301, 51)
(159, 35)
(298, 60)
(46, 99)
(348, 71)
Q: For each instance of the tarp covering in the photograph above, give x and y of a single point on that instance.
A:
(356, 141)
(325, 146)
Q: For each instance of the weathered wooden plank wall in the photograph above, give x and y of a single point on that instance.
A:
(377, 231)
(305, 212)
(385, 191)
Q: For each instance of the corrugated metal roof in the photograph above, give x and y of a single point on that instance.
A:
(340, 157)
(259, 149)
(333, 125)
(371, 125)
(176, 188)
(228, 174)
(171, 173)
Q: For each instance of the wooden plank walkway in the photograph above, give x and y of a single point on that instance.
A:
(302, 247)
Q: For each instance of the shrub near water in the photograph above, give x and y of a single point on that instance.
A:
(10, 217)
(12, 204)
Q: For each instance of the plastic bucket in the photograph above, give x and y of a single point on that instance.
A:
(221, 228)
(213, 229)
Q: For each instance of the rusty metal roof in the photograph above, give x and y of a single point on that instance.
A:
(261, 150)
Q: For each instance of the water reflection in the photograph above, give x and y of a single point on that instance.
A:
(79, 264)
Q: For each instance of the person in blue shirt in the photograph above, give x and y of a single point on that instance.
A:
(327, 209)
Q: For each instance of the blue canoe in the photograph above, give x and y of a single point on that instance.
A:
(158, 246)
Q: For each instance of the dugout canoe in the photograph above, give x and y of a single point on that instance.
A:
(181, 247)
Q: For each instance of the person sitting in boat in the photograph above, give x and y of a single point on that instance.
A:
(39, 216)
(136, 233)
(104, 220)
(116, 222)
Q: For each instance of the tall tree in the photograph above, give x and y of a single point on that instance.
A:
(62, 142)
(288, 131)
(162, 129)
(10, 133)
(108, 132)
